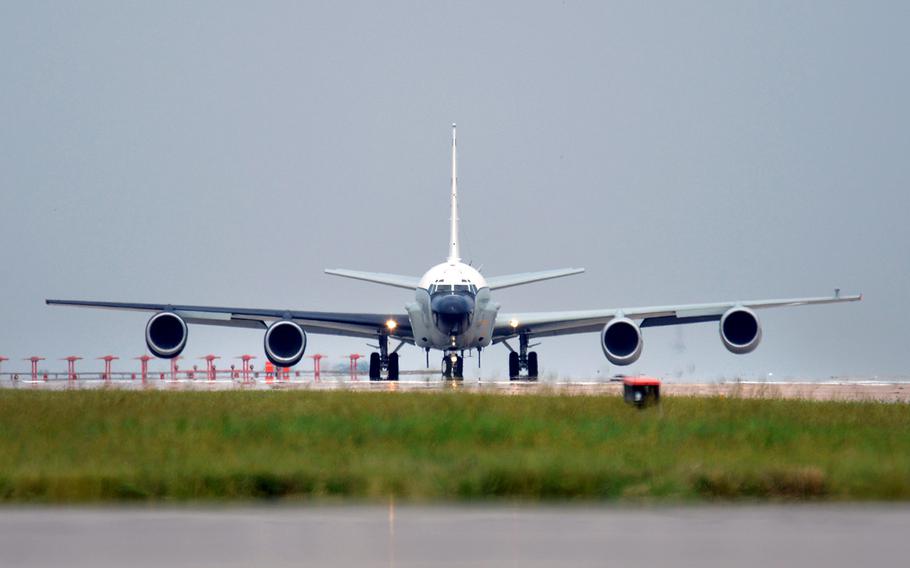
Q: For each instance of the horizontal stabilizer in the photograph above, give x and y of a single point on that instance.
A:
(497, 282)
(397, 280)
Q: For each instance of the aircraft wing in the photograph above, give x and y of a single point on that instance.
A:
(326, 323)
(545, 324)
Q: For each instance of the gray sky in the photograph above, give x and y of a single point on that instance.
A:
(681, 152)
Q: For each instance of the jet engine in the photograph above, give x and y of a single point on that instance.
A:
(285, 342)
(621, 341)
(740, 330)
(165, 335)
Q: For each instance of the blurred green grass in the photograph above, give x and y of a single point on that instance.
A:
(110, 445)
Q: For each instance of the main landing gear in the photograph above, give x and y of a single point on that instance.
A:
(383, 361)
(522, 360)
(453, 366)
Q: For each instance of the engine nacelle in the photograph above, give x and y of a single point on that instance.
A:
(285, 342)
(621, 341)
(165, 335)
(740, 330)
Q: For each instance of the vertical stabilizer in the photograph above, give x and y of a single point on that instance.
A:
(454, 255)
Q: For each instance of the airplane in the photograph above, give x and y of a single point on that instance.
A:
(453, 311)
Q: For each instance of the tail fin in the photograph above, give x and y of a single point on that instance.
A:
(454, 255)
(397, 280)
(496, 282)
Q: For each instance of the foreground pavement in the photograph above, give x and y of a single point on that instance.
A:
(395, 536)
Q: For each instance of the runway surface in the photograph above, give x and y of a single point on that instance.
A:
(839, 389)
(794, 535)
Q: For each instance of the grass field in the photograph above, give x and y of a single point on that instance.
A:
(84, 446)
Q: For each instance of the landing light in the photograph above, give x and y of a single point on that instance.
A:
(513, 323)
(391, 324)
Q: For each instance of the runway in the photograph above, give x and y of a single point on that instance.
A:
(395, 536)
(858, 389)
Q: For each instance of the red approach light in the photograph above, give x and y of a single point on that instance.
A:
(34, 360)
(353, 369)
(174, 368)
(108, 359)
(144, 365)
(210, 365)
(317, 360)
(71, 366)
(246, 367)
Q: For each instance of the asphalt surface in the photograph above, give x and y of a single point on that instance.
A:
(394, 536)
(841, 389)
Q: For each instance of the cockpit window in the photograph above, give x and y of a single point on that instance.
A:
(452, 288)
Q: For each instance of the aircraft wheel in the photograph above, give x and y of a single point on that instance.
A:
(393, 366)
(375, 366)
(532, 365)
(446, 368)
(459, 369)
(514, 368)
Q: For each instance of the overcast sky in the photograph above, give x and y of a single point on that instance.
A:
(212, 153)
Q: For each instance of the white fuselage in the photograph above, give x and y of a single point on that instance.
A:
(452, 308)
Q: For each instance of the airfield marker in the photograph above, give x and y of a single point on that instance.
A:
(71, 366)
(107, 365)
(174, 367)
(317, 358)
(354, 357)
(144, 366)
(641, 391)
(245, 372)
(210, 365)
(34, 360)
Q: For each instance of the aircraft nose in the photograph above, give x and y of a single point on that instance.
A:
(453, 305)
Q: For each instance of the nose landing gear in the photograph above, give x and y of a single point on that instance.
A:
(453, 367)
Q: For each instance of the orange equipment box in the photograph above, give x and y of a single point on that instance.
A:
(641, 391)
